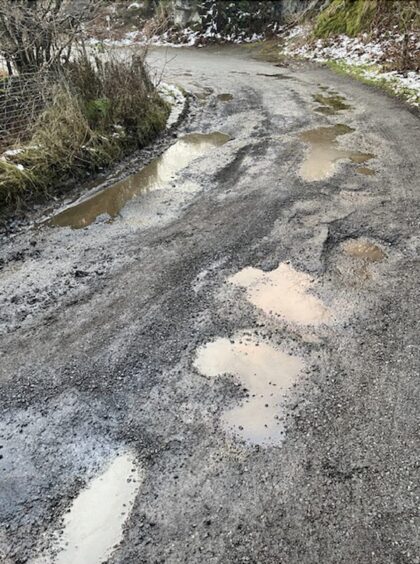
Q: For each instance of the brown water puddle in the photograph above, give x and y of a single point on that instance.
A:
(152, 177)
(366, 171)
(264, 372)
(324, 151)
(363, 250)
(94, 525)
(283, 292)
(225, 97)
(330, 104)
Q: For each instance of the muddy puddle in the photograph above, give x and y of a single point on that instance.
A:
(284, 292)
(366, 171)
(265, 375)
(331, 103)
(225, 97)
(363, 250)
(152, 177)
(324, 151)
(94, 524)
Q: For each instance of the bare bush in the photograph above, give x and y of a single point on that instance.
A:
(39, 33)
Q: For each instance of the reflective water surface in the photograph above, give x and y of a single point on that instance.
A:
(152, 177)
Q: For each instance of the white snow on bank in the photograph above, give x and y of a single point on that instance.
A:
(358, 52)
(175, 97)
(183, 38)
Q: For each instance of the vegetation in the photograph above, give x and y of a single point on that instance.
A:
(366, 74)
(63, 112)
(39, 33)
(99, 112)
(351, 17)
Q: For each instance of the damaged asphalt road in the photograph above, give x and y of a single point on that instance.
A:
(233, 358)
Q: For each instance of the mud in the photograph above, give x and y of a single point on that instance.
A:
(325, 151)
(265, 374)
(154, 176)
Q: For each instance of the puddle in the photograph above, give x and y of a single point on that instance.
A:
(94, 524)
(330, 104)
(282, 292)
(366, 171)
(324, 151)
(225, 97)
(265, 373)
(364, 250)
(152, 177)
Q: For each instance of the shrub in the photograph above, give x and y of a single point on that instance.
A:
(99, 112)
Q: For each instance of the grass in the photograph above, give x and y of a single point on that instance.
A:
(99, 112)
(360, 72)
(351, 17)
(342, 16)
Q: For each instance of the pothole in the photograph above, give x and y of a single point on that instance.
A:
(94, 523)
(264, 373)
(284, 292)
(363, 250)
(277, 75)
(324, 151)
(225, 97)
(152, 177)
(330, 104)
(366, 171)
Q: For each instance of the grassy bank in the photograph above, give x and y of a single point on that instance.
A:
(97, 113)
(371, 75)
(351, 17)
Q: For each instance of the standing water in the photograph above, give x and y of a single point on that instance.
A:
(152, 177)
(94, 524)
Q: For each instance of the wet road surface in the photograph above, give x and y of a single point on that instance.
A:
(217, 361)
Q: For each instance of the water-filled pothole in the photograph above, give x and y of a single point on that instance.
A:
(283, 292)
(225, 97)
(152, 177)
(277, 75)
(366, 171)
(363, 250)
(324, 151)
(330, 104)
(265, 375)
(94, 524)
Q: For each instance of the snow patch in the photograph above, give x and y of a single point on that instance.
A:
(175, 97)
(367, 55)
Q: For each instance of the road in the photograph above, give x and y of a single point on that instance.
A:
(225, 368)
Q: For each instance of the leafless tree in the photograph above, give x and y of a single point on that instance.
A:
(41, 33)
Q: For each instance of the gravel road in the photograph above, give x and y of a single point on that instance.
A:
(226, 368)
